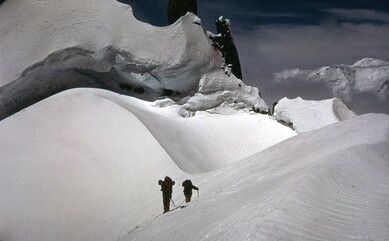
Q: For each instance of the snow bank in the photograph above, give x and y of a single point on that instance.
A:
(84, 164)
(51, 46)
(363, 85)
(329, 184)
(72, 168)
(306, 115)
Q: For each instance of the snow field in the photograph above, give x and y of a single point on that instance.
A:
(84, 164)
(329, 184)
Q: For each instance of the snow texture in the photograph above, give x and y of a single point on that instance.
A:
(86, 165)
(329, 184)
(50, 46)
(83, 164)
(306, 115)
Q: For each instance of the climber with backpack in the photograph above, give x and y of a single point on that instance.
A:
(188, 187)
(167, 190)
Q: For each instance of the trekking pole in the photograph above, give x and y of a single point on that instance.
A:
(198, 195)
(171, 199)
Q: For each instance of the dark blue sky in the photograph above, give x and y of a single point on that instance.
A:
(251, 13)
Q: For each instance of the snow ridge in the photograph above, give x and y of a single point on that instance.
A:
(315, 186)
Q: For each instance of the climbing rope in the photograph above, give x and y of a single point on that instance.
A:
(179, 205)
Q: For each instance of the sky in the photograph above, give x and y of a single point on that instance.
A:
(273, 35)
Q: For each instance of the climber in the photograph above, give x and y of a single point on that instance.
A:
(178, 8)
(225, 43)
(167, 189)
(188, 186)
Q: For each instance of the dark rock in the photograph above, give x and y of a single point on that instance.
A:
(274, 107)
(125, 87)
(139, 90)
(178, 8)
(225, 43)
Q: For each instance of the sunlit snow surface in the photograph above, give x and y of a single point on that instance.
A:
(84, 164)
(330, 184)
(307, 115)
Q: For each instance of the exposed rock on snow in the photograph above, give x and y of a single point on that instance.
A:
(306, 115)
(368, 76)
(225, 43)
(86, 165)
(66, 45)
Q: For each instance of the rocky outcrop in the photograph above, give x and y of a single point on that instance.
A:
(225, 43)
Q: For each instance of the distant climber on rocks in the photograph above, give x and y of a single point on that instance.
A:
(225, 43)
(178, 8)
(167, 190)
(188, 186)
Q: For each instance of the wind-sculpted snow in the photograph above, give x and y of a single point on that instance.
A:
(329, 184)
(67, 45)
(363, 85)
(306, 115)
(84, 164)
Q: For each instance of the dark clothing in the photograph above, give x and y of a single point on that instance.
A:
(167, 190)
(188, 187)
(225, 43)
(178, 8)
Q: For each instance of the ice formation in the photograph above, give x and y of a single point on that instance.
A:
(101, 44)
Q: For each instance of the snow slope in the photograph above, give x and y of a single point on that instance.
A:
(363, 85)
(84, 164)
(71, 169)
(50, 46)
(307, 115)
(328, 184)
